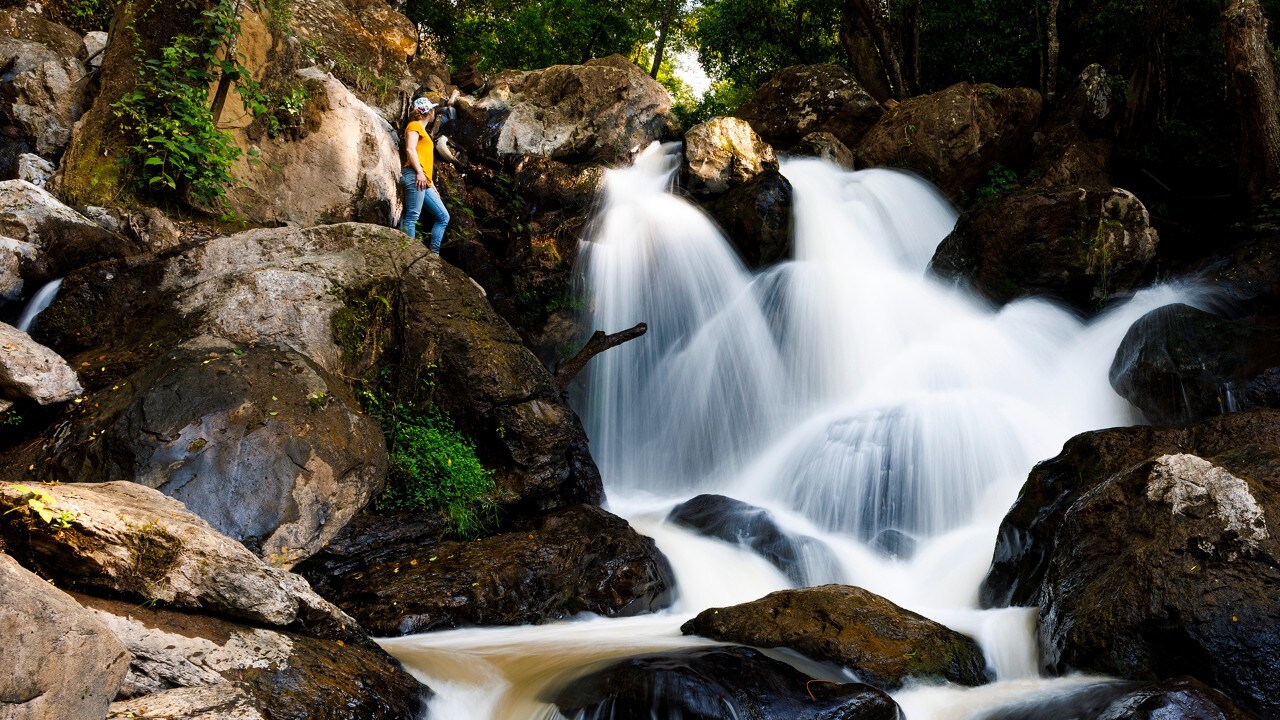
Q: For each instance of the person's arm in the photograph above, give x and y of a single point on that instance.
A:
(412, 149)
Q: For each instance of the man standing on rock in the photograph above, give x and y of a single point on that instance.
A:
(419, 191)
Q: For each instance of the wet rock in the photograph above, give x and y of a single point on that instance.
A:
(181, 662)
(1078, 245)
(894, 543)
(824, 145)
(1065, 157)
(1180, 365)
(756, 217)
(345, 168)
(881, 642)
(1182, 697)
(31, 371)
(267, 447)
(1027, 533)
(581, 559)
(43, 91)
(716, 683)
(741, 523)
(59, 660)
(955, 136)
(130, 541)
(604, 110)
(724, 153)
(804, 99)
(62, 238)
(551, 184)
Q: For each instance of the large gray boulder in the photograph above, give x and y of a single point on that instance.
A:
(723, 153)
(59, 239)
(31, 371)
(43, 91)
(804, 99)
(59, 660)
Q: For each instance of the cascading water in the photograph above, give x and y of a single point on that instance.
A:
(39, 303)
(846, 391)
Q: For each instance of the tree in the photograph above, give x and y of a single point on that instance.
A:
(1252, 66)
(747, 41)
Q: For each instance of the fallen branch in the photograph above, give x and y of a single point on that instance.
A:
(598, 343)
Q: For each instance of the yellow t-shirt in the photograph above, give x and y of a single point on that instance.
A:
(426, 148)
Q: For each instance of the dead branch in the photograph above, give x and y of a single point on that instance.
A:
(598, 343)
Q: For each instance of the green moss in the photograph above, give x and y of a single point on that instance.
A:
(95, 176)
(153, 552)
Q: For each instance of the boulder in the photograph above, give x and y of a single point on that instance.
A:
(59, 660)
(882, 643)
(955, 136)
(95, 44)
(1026, 535)
(1092, 103)
(262, 443)
(604, 110)
(581, 559)
(550, 184)
(346, 167)
(756, 217)
(804, 560)
(1181, 697)
(181, 661)
(13, 254)
(43, 89)
(61, 238)
(724, 153)
(129, 541)
(714, 683)
(354, 301)
(31, 371)
(34, 169)
(1180, 365)
(1078, 245)
(1064, 157)
(823, 144)
(804, 99)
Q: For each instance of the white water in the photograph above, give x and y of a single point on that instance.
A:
(39, 303)
(846, 391)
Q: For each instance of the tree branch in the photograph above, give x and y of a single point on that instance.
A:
(598, 343)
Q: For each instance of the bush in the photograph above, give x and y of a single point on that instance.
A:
(433, 467)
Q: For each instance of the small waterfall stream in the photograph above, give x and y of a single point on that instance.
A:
(846, 391)
(39, 302)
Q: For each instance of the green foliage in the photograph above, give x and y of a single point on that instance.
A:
(722, 99)
(1000, 180)
(10, 418)
(993, 41)
(434, 467)
(747, 41)
(36, 503)
(81, 15)
(529, 34)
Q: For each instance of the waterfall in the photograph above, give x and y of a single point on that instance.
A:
(863, 403)
(38, 304)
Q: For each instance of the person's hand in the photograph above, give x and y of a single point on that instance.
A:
(422, 181)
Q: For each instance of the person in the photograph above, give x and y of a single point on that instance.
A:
(419, 190)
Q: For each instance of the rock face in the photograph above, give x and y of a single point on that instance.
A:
(824, 145)
(130, 541)
(60, 239)
(60, 661)
(1183, 697)
(954, 137)
(724, 153)
(43, 90)
(756, 217)
(345, 168)
(1081, 246)
(603, 110)
(804, 99)
(31, 371)
(262, 443)
(804, 560)
(711, 683)
(881, 642)
(183, 664)
(1180, 365)
(581, 559)
(1149, 554)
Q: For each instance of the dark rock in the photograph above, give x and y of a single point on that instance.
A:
(550, 184)
(581, 559)
(1181, 697)
(881, 642)
(717, 684)
(262, 443)
(955, 136)
(824, 145)
(804, 99)
(738, 522)
(756, 217)
(59, 660)
(1064, 157)
(894, 543)
(1248, 275)
(373, 539)
(1181, 365)
(1027, 533)
(1078, 245)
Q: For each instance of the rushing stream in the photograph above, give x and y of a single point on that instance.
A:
(846, 391)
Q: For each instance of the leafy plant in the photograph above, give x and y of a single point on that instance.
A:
(38, 503)
(1000, 180)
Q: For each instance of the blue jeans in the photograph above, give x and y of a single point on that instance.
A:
(414, 201)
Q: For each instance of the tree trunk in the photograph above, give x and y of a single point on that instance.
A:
(598, 343)
(1253, 77)
(667, 17)
(864, 60)
(1051, 49)
(874, 16)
